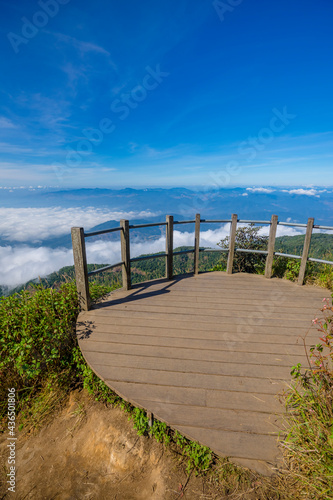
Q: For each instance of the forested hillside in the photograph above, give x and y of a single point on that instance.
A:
(321, 245)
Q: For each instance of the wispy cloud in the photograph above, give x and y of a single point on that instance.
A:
(5, 123)
(14, 148)
(259, 190)
(80, 45)
(83, 48)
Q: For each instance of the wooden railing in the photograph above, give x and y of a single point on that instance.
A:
(80, 259)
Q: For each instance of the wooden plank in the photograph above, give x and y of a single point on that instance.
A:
(200, 285)
(215, 301)
(258, 288)
(107, 358)
(260, 466)
(198, 289)
(196, 380)
(225, 332)
(180, 320)
(234, 444)
(267, 310)
(122, 336)
(259, 360)
(219, 293)
(214, 418)
(244, 401)
(263, 403)
(180, 302)
(179, 395)
(204, 303)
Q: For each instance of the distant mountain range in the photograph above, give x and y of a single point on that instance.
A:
(249, 203)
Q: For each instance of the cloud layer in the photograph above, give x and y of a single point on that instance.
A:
(36, 224)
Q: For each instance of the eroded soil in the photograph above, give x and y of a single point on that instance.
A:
(89, 451)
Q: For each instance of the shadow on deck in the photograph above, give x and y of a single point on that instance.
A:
(206, 354)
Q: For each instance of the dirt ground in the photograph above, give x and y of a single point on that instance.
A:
(89, 451)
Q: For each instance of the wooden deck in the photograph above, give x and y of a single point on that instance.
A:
(206, 354)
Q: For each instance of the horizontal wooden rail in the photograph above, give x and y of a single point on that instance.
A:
(101, 269)
(80, 260)
(183, 222)
(248, 250)
(221, 221)
(102, 231)
(146, 257)
(214, 250)
(292, 224)
(153, 224)
(279, 254)
(254, 221)
(320, 261)
(180, 252)
(328, 228)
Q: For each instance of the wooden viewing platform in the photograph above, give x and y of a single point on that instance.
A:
(206, 354)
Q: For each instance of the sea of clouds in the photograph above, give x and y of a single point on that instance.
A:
(21, 262)
(36, 224)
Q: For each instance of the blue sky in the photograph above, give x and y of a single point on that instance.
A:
(177, 93)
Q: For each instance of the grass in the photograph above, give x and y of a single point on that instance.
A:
(308, 446)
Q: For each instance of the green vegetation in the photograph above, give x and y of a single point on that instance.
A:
(38, 347)
(309, 443)
(321, 245)
(247, 238)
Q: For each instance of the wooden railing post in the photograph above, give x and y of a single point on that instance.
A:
(196, 243)
(169, 247)
(80, 263)
(306, 248)
(125, 253)
(232, 242)
(271, 246)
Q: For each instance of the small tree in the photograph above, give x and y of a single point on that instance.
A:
(248, 238)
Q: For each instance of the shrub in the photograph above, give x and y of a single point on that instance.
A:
(248, 238)
(38, 344)
(309, 443)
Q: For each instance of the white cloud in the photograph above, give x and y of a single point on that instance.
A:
(307, 192)
(260, 190)
(35, 224)
(20, 264)
(282, 231)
